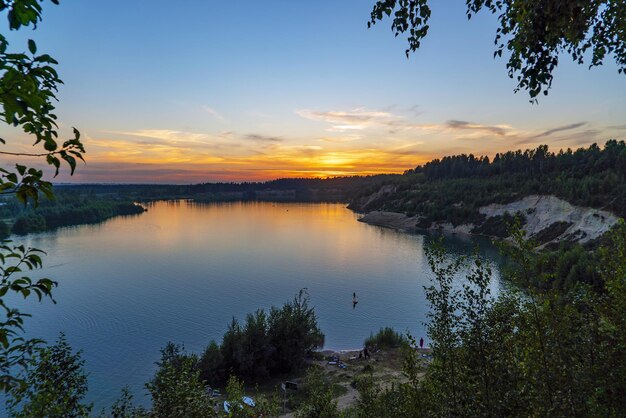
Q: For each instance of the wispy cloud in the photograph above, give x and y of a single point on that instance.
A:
(559, 139)
(440, 137)
(356, 119)
(262, 138)
(581, 138)
(211, 111)
(340, 139)
(500, 130)
(361, 119)
(166, 156)
(165, 134)
(415, 110)
(569, 127)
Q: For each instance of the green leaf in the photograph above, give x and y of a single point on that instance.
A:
(12, 177)
(32, 46)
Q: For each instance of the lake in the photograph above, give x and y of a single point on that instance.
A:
(182, 270)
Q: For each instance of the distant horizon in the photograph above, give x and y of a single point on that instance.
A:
(263, 92)
(166, 183)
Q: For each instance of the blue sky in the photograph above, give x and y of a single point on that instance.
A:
(193, 90)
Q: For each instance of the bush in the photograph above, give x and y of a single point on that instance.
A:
(176, 388)
(266, 345)
(54, 386)
(319, 397)
(385, 338)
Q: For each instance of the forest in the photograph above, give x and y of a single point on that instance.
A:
(334, 189)
(452, 189)
(69, 207)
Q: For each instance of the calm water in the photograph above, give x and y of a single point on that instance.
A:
(181, 271)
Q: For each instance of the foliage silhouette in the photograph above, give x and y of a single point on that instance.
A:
(28, 86)
(532, 33)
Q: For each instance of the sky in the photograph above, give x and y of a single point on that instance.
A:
(202, 91)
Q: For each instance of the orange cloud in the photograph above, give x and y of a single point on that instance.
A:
(353, 142)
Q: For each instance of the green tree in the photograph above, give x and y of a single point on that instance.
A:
(294, 332)
(123, 407)
(267, 344)
(176, 388)
(443, 317)
(54, 387)
(611, 325)
(533, 33)
(531, 352)
(28, 85)
(211, 365)
(237, 408)
(319, 401)
(378, 400)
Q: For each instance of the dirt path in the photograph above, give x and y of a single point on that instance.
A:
(384, 366)
(344, 401)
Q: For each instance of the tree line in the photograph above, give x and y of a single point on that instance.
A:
(452, 189)
(332, 189)
(582, 162)
(68, 208)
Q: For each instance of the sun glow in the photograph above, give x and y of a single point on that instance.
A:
(342, 143)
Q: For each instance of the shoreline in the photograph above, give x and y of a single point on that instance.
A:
(392, 220)
(408, 224)
(547, 219)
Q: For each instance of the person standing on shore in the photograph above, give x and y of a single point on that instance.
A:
(421, 343)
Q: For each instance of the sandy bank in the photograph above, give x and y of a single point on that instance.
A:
(393, 220)
(541, 212)
(547, 217)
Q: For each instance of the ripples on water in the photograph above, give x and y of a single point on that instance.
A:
(181, 271)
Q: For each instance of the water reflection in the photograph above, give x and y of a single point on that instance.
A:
(181, 270)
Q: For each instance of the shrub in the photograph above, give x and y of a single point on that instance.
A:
(266, 345)
(54, 387)
(385, 338)
(319, 397)
(176, 388)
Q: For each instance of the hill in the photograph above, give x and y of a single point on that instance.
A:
(578, 195)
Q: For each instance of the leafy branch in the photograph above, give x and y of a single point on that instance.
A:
(28, 86)
(16, 350)
(533, 33)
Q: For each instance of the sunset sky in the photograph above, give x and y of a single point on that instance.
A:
(200, 90)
